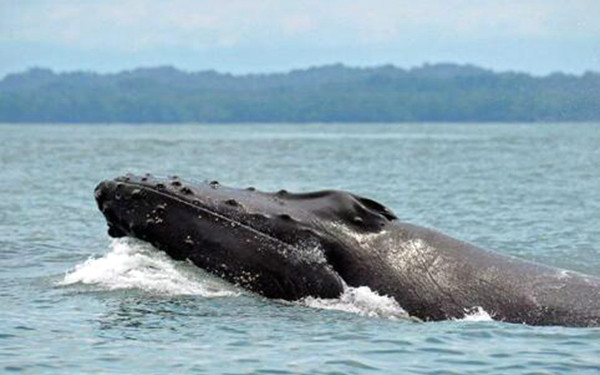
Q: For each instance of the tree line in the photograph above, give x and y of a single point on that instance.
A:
(332, 93)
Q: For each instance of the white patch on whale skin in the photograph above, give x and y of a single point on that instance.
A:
(362, 301)
(416, 254)
(407, 254)
(361, 238)
(310, 253)
(133, 264)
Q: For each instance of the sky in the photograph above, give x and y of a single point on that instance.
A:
(242, 36)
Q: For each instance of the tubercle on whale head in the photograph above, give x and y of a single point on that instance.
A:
(270, 243)
(249, 205)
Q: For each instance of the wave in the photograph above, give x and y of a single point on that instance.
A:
(476, 314)
(133, 264)
(362, 301)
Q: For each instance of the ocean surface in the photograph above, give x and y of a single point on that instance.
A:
(74, 301)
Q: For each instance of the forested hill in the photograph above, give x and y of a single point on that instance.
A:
(334, 93)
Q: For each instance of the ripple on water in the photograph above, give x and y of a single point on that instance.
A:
(527, 190)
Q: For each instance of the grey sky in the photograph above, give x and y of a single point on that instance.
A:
(537, 36)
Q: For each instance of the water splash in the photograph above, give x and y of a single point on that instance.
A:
(362, 301)
(133, 264)
(476, 314)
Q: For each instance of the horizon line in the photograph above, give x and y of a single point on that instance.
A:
(294, 70)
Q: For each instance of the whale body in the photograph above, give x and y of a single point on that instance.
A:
(290, 246)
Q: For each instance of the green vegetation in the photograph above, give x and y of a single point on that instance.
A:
(335, 93)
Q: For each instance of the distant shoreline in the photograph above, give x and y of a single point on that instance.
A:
(325, 124)
(440, 93)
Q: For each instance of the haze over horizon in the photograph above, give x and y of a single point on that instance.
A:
(277, 72)
(533, 36)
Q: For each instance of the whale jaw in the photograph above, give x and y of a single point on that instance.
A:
(250, 238)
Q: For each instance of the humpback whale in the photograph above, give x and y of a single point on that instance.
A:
(289, 246)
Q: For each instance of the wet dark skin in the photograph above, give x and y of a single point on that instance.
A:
(288, 246)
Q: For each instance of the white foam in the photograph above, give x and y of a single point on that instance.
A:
(476, 314)
(362, 301)
(132, 264)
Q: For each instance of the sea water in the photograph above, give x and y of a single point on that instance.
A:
(74, 301)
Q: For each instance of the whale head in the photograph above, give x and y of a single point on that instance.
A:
(281, 245)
